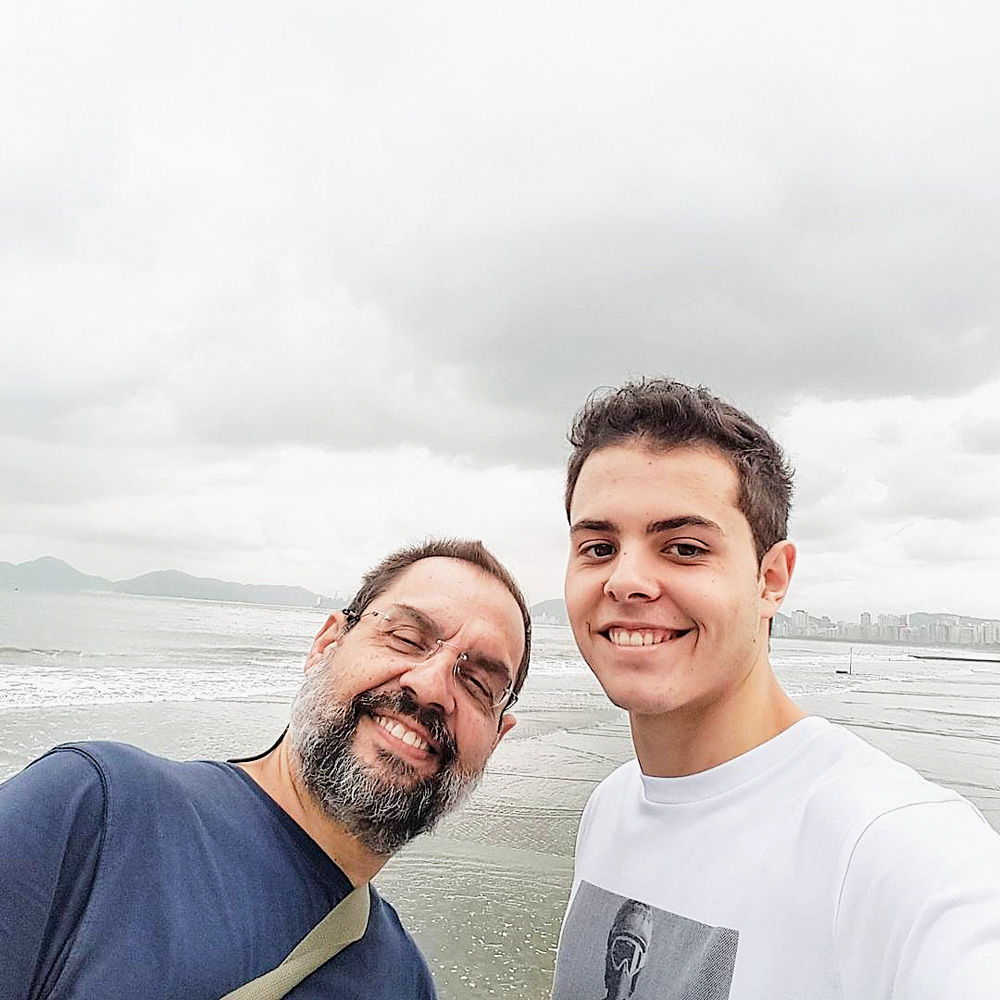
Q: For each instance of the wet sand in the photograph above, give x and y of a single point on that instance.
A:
(484, 895)
(505, 863)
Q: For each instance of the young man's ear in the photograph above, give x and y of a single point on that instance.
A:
(326, 637)
(776, 570)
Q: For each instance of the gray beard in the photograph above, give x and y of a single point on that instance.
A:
(383, 814)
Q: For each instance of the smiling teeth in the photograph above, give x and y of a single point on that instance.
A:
(640, 637)
(397, 729)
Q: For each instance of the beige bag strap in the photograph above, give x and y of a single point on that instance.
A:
(343, 925)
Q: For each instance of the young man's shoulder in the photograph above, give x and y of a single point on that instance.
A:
(835, 784)
(848, 768)
(852, 790)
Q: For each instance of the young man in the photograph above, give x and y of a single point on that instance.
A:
(749, 852)
(126, 875)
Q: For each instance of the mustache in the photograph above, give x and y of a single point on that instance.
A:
(403, 703)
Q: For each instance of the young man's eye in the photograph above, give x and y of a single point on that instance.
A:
(599, 550)
(686, 550)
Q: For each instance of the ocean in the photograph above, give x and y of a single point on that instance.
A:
(484, 895)
(102, 649)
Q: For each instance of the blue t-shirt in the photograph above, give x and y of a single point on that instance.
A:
(126, 875)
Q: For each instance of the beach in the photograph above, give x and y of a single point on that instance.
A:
(506, 860)
(484, 895)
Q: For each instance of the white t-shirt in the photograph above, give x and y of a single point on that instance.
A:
(812, 867)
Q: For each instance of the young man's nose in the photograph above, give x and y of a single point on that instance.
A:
(632, 577)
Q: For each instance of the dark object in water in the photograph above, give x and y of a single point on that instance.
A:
(957, 659)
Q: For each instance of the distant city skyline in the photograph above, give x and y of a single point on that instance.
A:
(916, 628)
(919, 628)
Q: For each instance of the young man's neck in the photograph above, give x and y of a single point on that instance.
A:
(276, 775)
(695, 738)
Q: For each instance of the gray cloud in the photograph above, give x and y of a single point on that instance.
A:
(938, 494)
(950, 545)
(283, 235)
(980, 435)
(332, 230)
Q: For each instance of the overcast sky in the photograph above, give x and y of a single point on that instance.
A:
(284, 286)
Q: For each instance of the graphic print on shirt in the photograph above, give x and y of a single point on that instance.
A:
(614, 948)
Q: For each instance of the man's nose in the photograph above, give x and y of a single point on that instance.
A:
(632, 577)
(431, 681)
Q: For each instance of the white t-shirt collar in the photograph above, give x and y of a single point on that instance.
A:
(736, 772)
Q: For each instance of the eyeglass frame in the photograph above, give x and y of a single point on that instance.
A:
(507, 699)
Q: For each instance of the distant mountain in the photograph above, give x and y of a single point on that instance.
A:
(550, 612)
(51, 575)
(173, 583)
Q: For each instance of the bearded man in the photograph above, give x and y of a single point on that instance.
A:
(124, 874)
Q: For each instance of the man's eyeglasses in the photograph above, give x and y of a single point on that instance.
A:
(486, 681)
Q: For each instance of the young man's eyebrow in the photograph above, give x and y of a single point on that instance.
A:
(684, 521)
(653, 528)
(587, 524)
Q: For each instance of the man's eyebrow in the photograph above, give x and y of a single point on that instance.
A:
(489, 663)
(684, 521)
(419, 619)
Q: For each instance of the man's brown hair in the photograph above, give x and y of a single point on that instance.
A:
(379, 578)
(663, 414)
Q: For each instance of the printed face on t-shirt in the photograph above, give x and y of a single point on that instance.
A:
(615, 948)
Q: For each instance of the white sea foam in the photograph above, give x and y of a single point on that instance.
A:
(26, 687)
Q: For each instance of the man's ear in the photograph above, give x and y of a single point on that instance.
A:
(325, 638)
(507, 723)
(776, 570)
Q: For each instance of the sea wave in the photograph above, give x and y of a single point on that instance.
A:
(558, 666)
(72, 686)
(18, 656)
